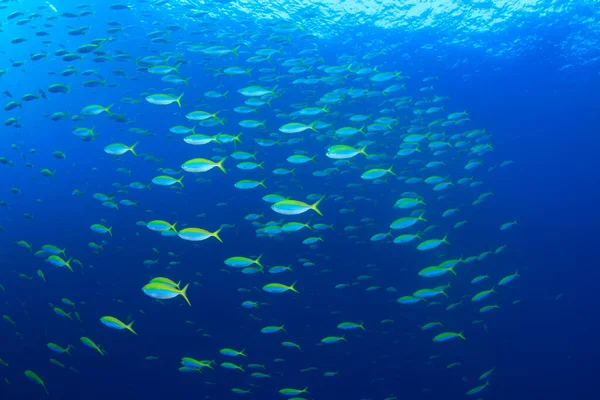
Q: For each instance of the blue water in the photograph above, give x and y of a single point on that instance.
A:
(531, 82)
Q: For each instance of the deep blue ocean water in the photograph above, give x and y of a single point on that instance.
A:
(531, 82)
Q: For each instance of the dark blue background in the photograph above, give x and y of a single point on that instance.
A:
(544, 119)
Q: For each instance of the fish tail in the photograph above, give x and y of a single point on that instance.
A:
(220, 165)
(130, 329)
(257, 261)
(132, 148)
(215, 234)
(68, 264)
(314, 206)
(178, 100)
(184, 294)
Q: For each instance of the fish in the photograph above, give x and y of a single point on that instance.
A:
(114, 323)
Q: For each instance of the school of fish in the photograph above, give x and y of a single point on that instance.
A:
(318, 147)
